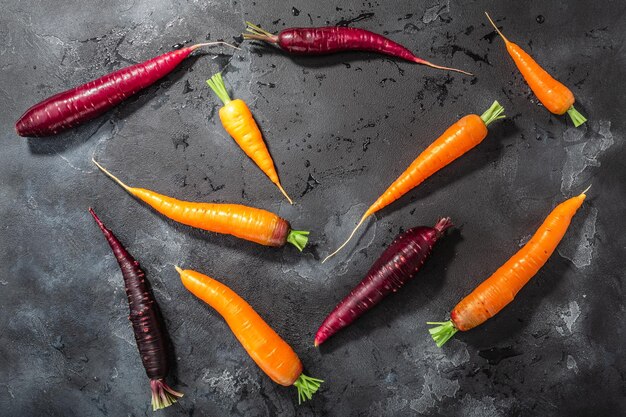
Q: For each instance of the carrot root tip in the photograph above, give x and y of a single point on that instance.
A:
(306, 386)
(443, 224)
(576, 117)
(442, 332)
(298, 238)
(493, 113)
(162, 395)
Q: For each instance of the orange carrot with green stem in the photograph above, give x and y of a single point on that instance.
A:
(501, 288)
(273, 355)
(459, 138)
(555, 97)
(253, 224)
(238, 121)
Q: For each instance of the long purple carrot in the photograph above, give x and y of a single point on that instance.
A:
(397, 265)
(88, 101)
(144, 316)
(331, 39)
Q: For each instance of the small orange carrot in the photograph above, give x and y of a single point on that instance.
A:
(249, 223)
(501, 288)
(273, 355)
(241, 126)
(459, 138)
(555, 97)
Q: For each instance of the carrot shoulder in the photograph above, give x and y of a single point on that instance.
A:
(493, 294)
(270, 352)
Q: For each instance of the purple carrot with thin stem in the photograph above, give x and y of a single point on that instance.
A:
(398, 264)
(88, 101)
(144, 316)
(332, 39)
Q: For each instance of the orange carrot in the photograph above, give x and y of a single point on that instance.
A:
(459, 138)
(555, 97)
(253, 224)
(240, 125)
(273, 355)
(500, 288)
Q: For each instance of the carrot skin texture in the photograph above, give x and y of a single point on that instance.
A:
(555, 96)
(249, 223)
(332, 39)
(145, 320)
(238, 121)
(88, 101)
(493, 294)
(397, 265)
(271, 353)
(459, 138)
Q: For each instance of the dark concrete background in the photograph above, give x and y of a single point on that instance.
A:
(340, 128)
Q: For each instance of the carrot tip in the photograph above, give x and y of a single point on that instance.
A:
(306, 386)
(576, 117)
(585, 191)
(178, 269)
(162, 395)
(442, 332)
(365, 216)
(282, 190)
(430, 64)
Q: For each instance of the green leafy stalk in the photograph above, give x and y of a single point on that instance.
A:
(217, 85)
(298, 238)
(307, 386)
(162, 395)
(576, 117)
(258, 34)
(493, 113)
(443, 332)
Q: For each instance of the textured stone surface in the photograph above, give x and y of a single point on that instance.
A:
(340, 129)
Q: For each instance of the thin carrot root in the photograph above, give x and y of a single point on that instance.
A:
(496, 28)
(442, 332)
(298, 238)
(493, 113)
(306, 386)
(113, 177)
(365, 216)
(576, 117)
(282, 190)
(162, 395)
(258, 34)
(430, 64)
(200, 45)
(586, 189)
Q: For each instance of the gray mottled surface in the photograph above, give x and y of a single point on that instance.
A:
(340, 128)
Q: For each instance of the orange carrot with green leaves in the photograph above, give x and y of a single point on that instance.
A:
(459, 138)
(555, 97)
(501, 288)
(249, 223)
(273, 355)
(238, 121)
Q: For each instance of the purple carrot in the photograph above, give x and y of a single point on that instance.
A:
(144, 316)
(397, 265)
(88, 101)
(331, 39)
